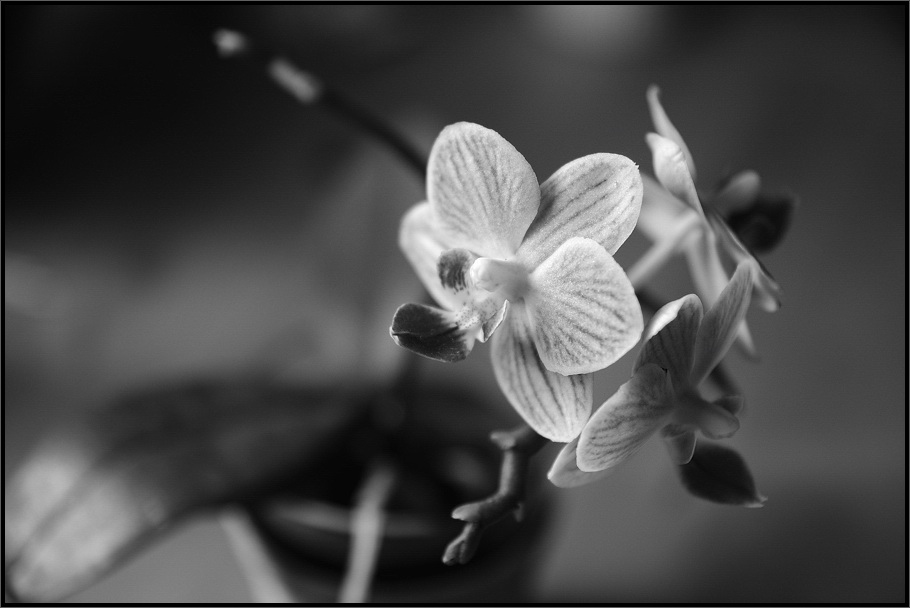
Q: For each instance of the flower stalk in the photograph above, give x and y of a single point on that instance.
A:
(309, 89)
(518, 446)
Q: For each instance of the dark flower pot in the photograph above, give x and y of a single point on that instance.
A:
(443, 458)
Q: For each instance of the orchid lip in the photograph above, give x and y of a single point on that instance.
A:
(506, 277)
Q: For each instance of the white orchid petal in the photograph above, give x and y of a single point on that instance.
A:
(583, 311)
(663, 249)
(680, 442)
(626, 420)
(738, 191)
(721, 322)
(670, 339)
(565, 472)
(661, 212)
(483, 191)
(671, 170)
(663, 126)
(745, 344)
(423, 242)
(710, 278)
(766, 290)
(596, 196)
(707, 271)
(555, 406)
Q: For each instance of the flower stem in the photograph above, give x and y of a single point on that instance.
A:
(308, 89)
(518, 446)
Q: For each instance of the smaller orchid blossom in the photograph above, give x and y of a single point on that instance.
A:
(532, 263)
(682, 346)
(674, 218)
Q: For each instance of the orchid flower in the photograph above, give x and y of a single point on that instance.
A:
(532, 263)
(674, 218)
(682, 346)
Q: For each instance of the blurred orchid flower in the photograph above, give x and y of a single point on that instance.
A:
(674, 218)
(682, 346)
(500, 252)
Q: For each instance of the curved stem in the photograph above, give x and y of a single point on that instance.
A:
(308, 89)
(518, 447)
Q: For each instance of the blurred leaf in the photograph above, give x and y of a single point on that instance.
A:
(720, 475)
(101, 487)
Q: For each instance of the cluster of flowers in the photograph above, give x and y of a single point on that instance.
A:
(530, 267)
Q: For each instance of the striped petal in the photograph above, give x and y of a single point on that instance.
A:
(423, 242)
(663, 126)
(621, 426)
(597, 197)
(710, 278)
(555, 406)
(670, 339)
(583, 311)
(671, 170)
(720, 325)
(482, 190)
(565, 472)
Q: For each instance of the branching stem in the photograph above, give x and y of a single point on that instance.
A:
(518, 446)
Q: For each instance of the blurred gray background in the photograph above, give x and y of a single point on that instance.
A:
(168, 213)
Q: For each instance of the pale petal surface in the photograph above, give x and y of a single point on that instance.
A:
(422, 242)
(583, 311)
(564, 473)
(661, 212)
(670, 339)
(738, 191)
(626, 420)
(672, 171)
(482, 190)
(710, 278)
(663, 126)
(555, 406)
(720, 324)
(705, 266)
(596, 196)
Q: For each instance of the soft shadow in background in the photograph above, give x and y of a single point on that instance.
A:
(167, 213)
